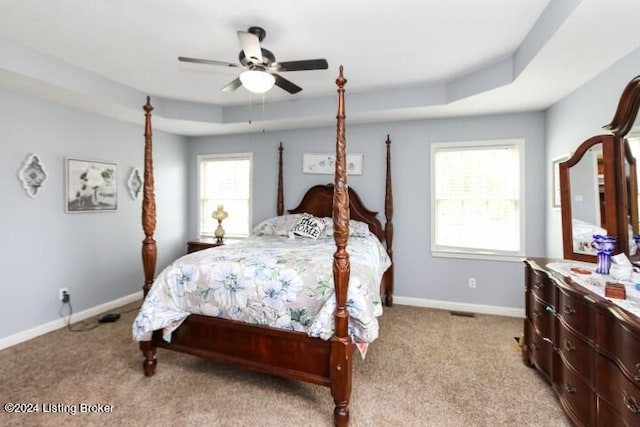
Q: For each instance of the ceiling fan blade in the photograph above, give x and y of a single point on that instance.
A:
(308, 64)
(233, 85)
(285, 84)
(206, 61)
(250, 44)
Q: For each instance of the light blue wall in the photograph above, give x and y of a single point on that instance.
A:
(95, 255)
(417, 274)
(578, 117)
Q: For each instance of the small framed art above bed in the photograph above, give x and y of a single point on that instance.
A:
(294, 300)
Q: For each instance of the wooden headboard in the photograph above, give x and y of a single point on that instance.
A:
(318, 201)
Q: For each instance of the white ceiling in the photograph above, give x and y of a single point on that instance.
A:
(405, 59)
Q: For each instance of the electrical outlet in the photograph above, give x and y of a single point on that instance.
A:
(64, 295)
(472, 282)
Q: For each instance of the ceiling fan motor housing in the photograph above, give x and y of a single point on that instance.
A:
(258, 32)
(268, 58)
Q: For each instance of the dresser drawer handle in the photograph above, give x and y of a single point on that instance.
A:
(570, 389)
(569, 346)
(569, 310)
(535, 346)
(538, 286)
(630, 403)
(537, 314)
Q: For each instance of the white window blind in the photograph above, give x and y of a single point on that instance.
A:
(225, 180)
(477, 198)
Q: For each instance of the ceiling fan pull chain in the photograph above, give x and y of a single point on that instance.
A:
(263, 113)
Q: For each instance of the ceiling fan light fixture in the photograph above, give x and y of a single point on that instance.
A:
(257, 81)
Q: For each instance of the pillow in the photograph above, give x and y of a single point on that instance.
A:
(356, 228)
(278, 225)
(309, 226)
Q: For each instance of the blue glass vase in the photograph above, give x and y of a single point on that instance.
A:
(604, 246)
(637, 240)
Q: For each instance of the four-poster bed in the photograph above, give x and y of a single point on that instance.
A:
(288, 353)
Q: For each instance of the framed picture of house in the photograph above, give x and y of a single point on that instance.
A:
(555, 179)
(91, 186)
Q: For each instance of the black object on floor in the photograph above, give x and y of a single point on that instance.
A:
(109, 318)
(462, 314)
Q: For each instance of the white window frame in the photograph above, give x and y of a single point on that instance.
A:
(490, 254)
(208, 157)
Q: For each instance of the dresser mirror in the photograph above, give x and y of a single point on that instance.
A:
(587, 181)
(599, 187)
(631, 183)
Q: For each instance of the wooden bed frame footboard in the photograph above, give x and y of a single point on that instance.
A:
(288, 354)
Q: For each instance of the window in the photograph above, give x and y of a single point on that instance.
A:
(477, 199)
(225, 179)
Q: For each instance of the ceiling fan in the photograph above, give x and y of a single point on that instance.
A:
(261, 66)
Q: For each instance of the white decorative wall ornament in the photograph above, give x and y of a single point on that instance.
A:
(32, 175)
(134, 183)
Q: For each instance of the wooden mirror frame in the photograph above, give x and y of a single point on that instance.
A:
(619, 204)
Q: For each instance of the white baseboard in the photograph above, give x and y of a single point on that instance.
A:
(460, 306)
(93, 311)
(60, 323)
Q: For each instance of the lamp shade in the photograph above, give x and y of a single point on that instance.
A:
(219, 214)
(257, 81)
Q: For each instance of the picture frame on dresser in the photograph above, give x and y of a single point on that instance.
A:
(91, 186)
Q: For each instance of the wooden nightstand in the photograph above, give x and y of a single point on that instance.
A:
(202, 243)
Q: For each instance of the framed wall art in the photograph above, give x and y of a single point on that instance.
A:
(32, 175)
(91, 186)
(324, 163)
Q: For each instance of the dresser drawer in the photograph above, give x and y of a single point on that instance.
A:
(576, 352)
(541, 315)
(541, 285)
(620, 342)
(541, 351)
(609, 417)
(618, 391)
(574, 311)
(577, 397)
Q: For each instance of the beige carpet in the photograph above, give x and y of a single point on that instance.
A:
(429, 368)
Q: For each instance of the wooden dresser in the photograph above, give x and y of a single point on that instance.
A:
(585, 346)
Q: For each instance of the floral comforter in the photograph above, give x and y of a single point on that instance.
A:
(269, 280)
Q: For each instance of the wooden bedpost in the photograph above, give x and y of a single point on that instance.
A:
(280, 202)
(149, 249)
(341, 344)
(388, 227)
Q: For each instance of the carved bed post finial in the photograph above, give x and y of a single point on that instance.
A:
(388, 227)
(280, 201)
(149, 249)
(341, 344)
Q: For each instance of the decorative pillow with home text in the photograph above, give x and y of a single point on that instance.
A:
(309, 226)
